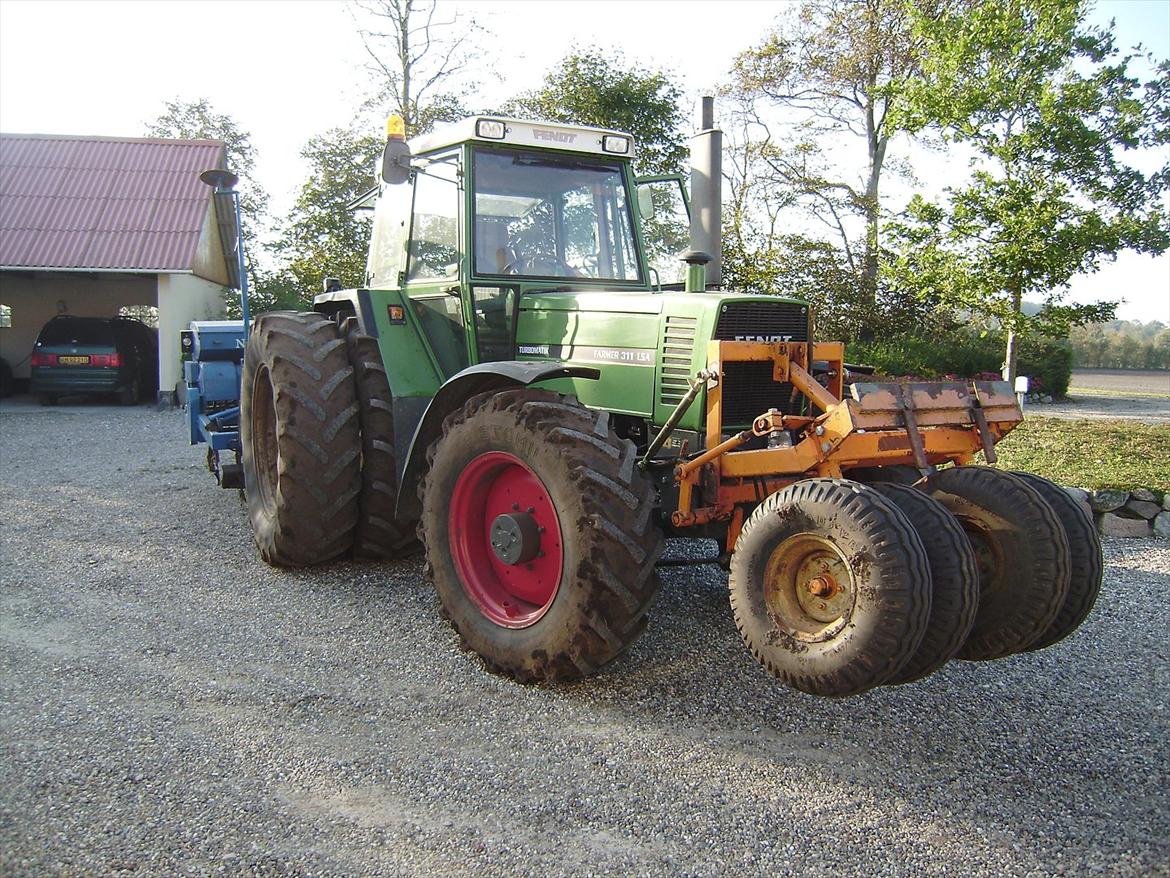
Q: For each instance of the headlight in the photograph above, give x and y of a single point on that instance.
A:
(491, 129)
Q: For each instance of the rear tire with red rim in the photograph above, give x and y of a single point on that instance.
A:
(539, 534)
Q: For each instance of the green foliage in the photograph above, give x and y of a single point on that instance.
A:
(966, 352)
(606, 90)
(1049, 108)
(270, 290)
(1090, 454)
(801, 267)
(320, 237)
(832, 68)
(1122, 344)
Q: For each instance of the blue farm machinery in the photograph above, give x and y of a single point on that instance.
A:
(213, 352)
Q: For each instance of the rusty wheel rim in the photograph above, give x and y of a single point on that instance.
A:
(809, 588)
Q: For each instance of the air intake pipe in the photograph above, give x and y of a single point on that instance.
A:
(707, 192)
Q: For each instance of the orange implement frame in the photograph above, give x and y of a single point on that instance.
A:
(882, 424)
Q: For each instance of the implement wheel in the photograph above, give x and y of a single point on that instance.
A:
(830, 587)
(299, 439)
(378, 535)
(1021, 551)
(954, 597)
(539, 534)
(1087, 565)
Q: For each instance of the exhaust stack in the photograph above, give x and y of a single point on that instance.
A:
(707, 191)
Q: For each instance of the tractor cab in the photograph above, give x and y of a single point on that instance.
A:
(470, 219)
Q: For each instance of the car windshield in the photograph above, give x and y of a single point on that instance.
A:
(549, 216)
(78, 331)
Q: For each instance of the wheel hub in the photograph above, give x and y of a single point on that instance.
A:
(506, 540)
(515, 537)
(809, 587)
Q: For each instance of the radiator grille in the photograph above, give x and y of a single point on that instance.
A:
(762, 320)
(678, 347)
(749, 391)
(748, 388)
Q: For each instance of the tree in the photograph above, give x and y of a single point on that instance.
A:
(321, 238)
(199, 120)
(588, 88)
(831, 67)
(1048, 107)
(419, 57)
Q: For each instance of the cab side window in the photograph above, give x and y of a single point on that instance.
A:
(434, 239)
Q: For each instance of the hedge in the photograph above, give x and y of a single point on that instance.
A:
(964, 353)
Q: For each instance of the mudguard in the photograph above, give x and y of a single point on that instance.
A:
(453, 394)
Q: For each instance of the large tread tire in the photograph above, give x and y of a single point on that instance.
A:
(954, 598)
(887, 599)
(1088, 565)
(609, 540)
(1024, 556)
(378, 534)
(300, 439)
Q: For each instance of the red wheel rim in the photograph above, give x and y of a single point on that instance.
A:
(496, 488)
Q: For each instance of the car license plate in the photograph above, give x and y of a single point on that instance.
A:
(73, 361)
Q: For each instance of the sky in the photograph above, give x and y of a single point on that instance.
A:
(287, 70)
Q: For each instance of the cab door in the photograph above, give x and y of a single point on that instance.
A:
(435, 263)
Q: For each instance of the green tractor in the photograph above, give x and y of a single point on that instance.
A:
(519, 391)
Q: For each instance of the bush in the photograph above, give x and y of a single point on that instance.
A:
(965, 353)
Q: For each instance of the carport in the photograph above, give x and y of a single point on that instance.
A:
(92, 225)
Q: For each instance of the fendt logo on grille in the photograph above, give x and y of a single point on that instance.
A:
(764, 338)
(556, 136)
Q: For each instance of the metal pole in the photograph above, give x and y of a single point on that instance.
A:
(240, 261)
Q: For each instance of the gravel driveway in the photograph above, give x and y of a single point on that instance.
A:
(171, 706)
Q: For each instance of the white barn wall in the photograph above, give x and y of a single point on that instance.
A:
(181, 299)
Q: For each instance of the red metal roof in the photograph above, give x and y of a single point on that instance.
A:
(134, 204)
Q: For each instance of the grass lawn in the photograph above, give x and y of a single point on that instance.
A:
(1127, 394)
(1090, 454)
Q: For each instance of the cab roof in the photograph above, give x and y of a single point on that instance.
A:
(528, 133)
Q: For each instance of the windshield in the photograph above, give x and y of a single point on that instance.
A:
(78, 331)
(547, 216)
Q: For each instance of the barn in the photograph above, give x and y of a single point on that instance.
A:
(97, 226)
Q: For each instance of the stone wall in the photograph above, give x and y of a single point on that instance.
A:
(1120, 513)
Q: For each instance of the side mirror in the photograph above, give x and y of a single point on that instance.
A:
(645, 203)
(396, 162)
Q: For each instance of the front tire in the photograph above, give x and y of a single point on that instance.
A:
(539, 534)
(830, 587)
(299, 438)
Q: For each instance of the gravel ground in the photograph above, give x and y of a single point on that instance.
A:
(171, 706)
